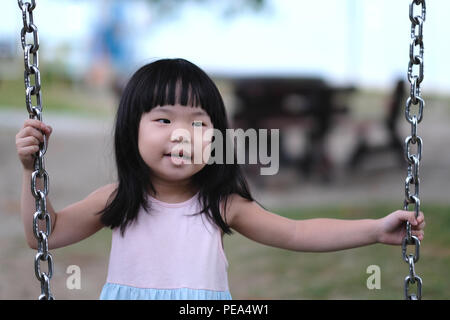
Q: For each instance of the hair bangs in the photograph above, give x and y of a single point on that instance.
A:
(179, 85)
(170, 89)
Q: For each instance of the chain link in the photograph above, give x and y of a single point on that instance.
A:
(415, 78)
(33, 88)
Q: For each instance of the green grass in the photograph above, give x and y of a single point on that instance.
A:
(258, 272)
(59, 96)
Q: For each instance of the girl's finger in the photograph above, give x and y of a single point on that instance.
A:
(33, 123)
(408, 216)
(419, 227)
(421, 217)
(25, 151)
(38, 125)
(30, 131)
(28, 141)
(419, 234)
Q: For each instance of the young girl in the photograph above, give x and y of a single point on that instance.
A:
(169, 213)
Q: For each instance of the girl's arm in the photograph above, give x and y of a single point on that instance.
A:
(73, 223)
(317, 235)
(80, 220)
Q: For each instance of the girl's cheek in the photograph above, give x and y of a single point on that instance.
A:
(158, 134)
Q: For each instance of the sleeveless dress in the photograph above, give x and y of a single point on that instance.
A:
(168, 253)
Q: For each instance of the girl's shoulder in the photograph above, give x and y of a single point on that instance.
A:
(235, 204)
(103, 194)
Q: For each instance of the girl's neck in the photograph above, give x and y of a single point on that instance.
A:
(173, 192)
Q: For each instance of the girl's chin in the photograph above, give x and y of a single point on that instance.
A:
(172, 176)
(172, 172)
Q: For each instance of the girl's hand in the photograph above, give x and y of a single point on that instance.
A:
(28, 140)
(392, 228)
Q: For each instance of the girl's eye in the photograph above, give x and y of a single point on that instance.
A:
(198, 123)
(166, 121)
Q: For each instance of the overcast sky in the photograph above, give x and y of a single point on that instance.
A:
(360, 41)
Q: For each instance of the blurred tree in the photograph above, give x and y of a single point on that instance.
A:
(111, 48)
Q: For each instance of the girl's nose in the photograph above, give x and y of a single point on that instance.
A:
(180, 135)
(176, 138)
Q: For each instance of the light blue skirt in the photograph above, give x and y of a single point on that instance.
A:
(113, 291)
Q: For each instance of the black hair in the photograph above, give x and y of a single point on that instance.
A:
(168, 82)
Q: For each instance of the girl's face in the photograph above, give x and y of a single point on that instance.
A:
(169, 141)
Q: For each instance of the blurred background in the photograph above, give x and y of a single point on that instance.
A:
(330, 74)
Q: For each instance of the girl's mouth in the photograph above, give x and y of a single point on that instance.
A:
(178, 156)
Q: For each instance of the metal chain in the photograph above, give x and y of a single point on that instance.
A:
(35, 112)
(415, 77)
